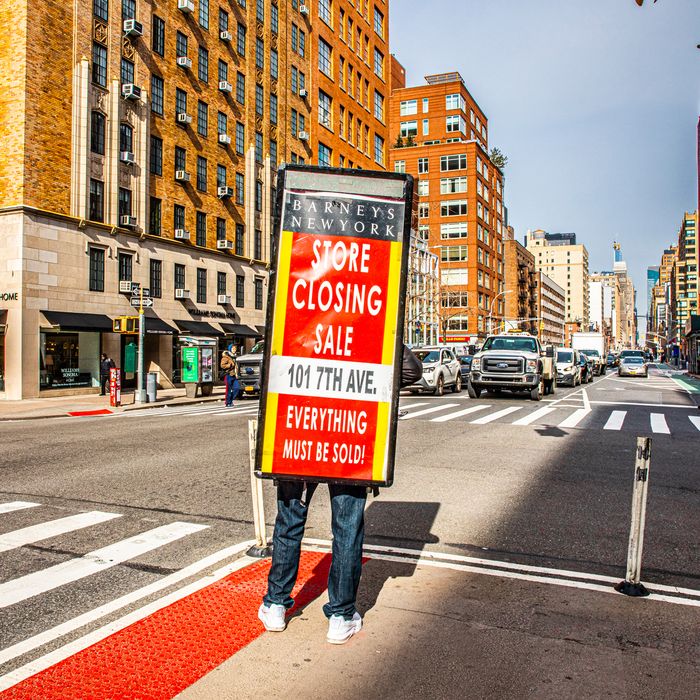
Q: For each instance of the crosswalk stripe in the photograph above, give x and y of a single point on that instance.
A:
(426, 411)
(617, 418)
(412, 405)
(695, 421)
(16, 505)
(536, 415)
(34, 584)
(459, 414)
(575, 418)
(658, 424)
(188, 411)
(52, 528)
(495, 416)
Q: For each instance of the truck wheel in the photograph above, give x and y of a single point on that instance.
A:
(457, 385)
(439, 387)
(473, 391)
(537, 391)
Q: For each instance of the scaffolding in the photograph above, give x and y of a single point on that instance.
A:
(422, 295)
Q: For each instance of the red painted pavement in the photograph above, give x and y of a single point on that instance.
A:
(99, 412)
(161, 655)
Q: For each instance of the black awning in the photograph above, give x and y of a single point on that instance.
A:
(97, 323)
(198, 328)
(260, 329)
(236, 329)
(157, 326)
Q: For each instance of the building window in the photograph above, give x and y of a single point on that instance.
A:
(203, 65)
(455, 122)
(274, 63)
(273, 109)
(426, 127)
(379, 106)
(378, 22)
(155, 211)
(201, 229)
(259, 53)
(409, 129)
(97, 203)
(422, 166)
(294, 85)
(240, 88)
(155, 279)
(179, 217)
(223, 20)
(157, 94)
(99, 65)
(156, 159)
(378, 149)
(179, 276)
(258, 147)
(97, 270)
(202, 118)
(293, 122)
(180, 44)
(325, 54)
(220, 230)
(325, 104)
(451, 185)
(100, 8)
(423, 188)
(457, 161)
(455, 101)
(378, 64)
(240, 138)
(258, 293)
(273, 153)
(423, 210)
(240, 240)
(240, 291)
(324, 155)
(240, 39)
(258, 195)
(126, 72)
(97, 133)
(257, 244)
(128, 9)
(221, 123)
(260, 10)
(124, 202)
(180, 158)
(158, 40)
(220, 175)
(126, 138)
(454, 253)
(180, 101)
(126, 261)
(240, 189)
(201, 285)
(259, 100)
(400, 166)
(223, 71)
(221, 283)
(204, 13)
(201, 174)
(408, 107)
(453, 207)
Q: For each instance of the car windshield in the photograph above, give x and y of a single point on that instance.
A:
(522, 344)
(591, 353)
(631, 353)
(565, 356)
(465, 360)
(634, 360)
(428, 355)
(259, 347)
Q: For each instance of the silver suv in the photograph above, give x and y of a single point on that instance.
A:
(440, 370)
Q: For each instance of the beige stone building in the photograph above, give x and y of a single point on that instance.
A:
(550, 307)
(139, 143)
(559, 257)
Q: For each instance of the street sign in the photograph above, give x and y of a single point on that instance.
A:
(135, 286)
(136, 301)
(146, 291)
(336, 309)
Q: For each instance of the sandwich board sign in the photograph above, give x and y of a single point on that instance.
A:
(335, 318)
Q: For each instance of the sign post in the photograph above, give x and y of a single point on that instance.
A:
(142, 298)
(335, 326)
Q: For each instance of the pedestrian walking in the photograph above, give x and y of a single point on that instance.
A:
(106, 364)
(348, 528)
(229, 367)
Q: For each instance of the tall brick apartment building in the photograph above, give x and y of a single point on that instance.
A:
(140, 141)
(439, 134)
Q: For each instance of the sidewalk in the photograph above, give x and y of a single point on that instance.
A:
(56, 407)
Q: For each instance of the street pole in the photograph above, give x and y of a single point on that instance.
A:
(141, 385)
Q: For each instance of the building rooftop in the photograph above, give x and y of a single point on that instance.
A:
(438, 78)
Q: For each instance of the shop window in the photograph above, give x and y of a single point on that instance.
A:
(60, 362)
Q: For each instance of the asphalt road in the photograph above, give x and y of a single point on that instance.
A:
(537, 483)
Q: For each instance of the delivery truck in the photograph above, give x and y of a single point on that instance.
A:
(593, 346)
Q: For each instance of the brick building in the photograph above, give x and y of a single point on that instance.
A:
(439, 135)
(140, 143)
(520, 287)
(551, 305)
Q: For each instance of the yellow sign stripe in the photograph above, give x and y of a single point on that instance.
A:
(392, 303)
(380, 440)
(269, 436)
(281, 292)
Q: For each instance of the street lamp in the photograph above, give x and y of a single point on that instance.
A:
(493, 301)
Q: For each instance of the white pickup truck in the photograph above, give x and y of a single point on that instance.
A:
(513, 361)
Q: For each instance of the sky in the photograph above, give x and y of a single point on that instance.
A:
(595, 103)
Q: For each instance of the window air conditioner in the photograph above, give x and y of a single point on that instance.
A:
(224, 245)
(225, 36)
(223, 299)
(303, 92)
(131, 91)
(225, 86)
(182, 293)
(125, 286)
(127, 220)
(186, 6)
(127, 157)
(303, 10)
(225, 139)
(303, 135)
(182, 176)
(223, 192)
(183, 118)
(182, 234)
(132, 27)
(184, 62)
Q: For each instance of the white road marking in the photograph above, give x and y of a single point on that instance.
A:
(52, 528)
(617, 418)
(495, 416)
(658, 424)
(426, 411)
(69, 626)
(16, 505)
(459, 414)
(575, 418)
(413, 405)
(536, 415)
(653, 405)
(42, 663)
(31, 585)
(695, 421)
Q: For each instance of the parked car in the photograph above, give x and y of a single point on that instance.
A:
(588, 368)
(465, 367)
(568, 367)
(250, 370)
(441, 369)
(611, 360)
(632, 366)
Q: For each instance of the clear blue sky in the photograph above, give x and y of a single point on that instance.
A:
(595, 103)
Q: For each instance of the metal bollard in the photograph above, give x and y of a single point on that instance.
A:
(632, 584)
(261, 548)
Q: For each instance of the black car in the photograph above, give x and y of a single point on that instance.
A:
(586, 368)
(465, 366)
(611, 359)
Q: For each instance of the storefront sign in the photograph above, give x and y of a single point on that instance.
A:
(214, 314)
(9, 296)
(71, 377)
(332, 363)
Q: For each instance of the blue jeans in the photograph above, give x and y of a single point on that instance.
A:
(348, 527)
(232, 388)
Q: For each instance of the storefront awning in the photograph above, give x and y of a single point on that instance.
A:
(97, 323)
(198, 328)
(236, 329)
(261, 330)
(157, 326)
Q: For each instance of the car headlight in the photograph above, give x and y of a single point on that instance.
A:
(476, 365)
(428, 370)
(531, 366)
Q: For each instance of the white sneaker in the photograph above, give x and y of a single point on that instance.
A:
(273, 617)
(340, 629)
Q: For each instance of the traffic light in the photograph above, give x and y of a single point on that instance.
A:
(125, 324)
